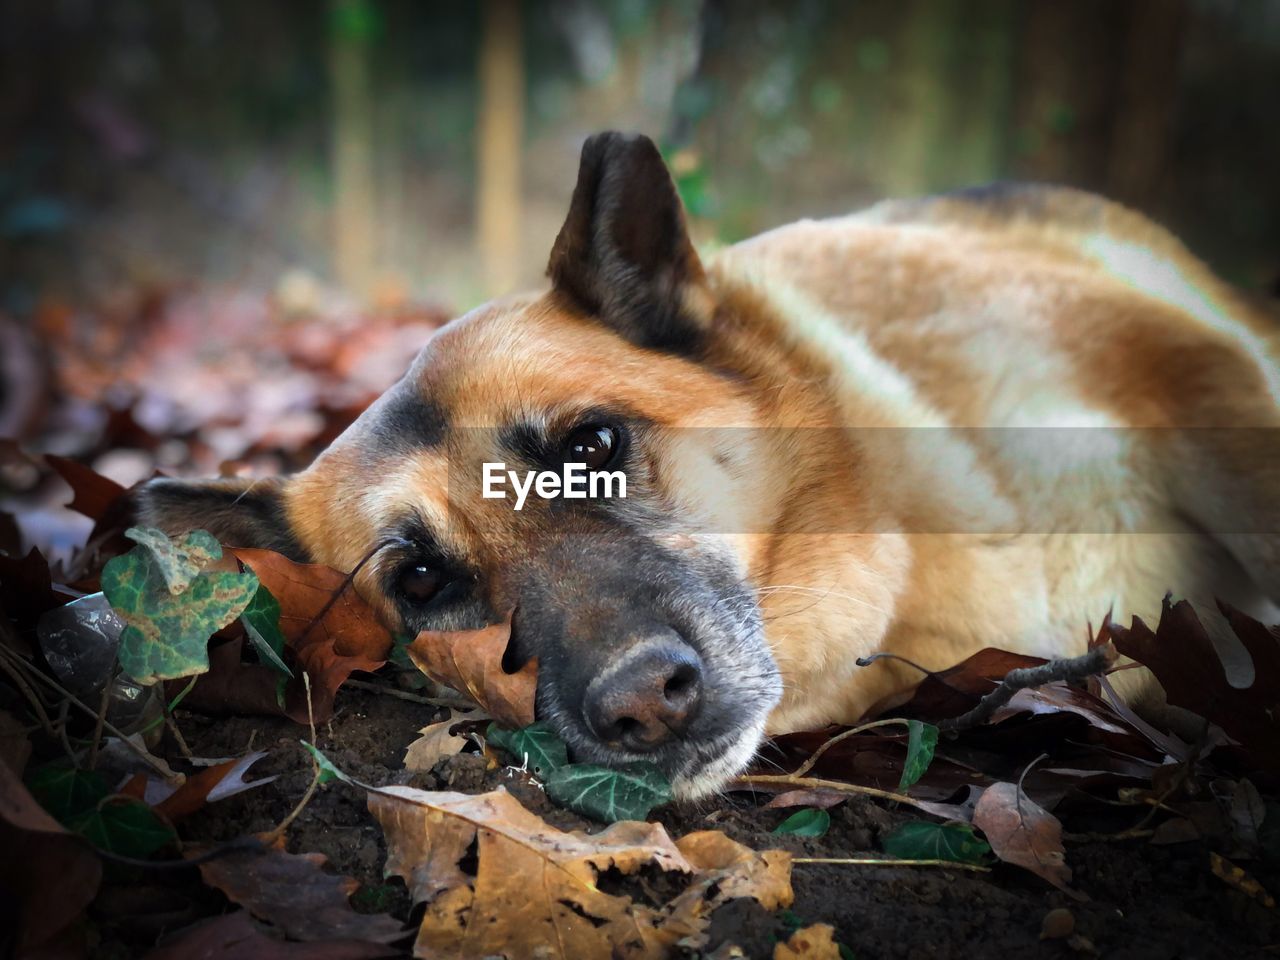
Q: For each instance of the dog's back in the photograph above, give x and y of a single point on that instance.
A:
(1083, 416)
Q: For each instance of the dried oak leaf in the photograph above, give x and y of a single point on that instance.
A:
(1181, 655)
(437, 741)
(47, 874)
(222, 780)
(470, 661)
(330, 629)
(235, 936)
(93, 495)
(1023, 833)
(533, 890)
(293, 893)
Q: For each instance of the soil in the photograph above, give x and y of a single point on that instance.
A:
(1145, 901)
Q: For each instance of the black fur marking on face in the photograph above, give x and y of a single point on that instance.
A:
(402, 419)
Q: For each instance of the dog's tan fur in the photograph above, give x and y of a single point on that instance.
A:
(1023, 308)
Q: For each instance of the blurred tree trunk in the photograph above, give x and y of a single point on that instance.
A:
(1070, 57)
(1147, 92)
(499, 132)
(924, 96)
(351, 34)
(976, 145)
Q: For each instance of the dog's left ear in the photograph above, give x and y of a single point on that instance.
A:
(239, 512)
(624, 252)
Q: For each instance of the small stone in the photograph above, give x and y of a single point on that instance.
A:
(1057, 924)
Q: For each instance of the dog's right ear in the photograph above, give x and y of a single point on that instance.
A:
(624, 252)
(239, 512)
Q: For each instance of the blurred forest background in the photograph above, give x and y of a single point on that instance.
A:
(226, 224)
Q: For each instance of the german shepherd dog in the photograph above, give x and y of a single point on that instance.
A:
(981, 419)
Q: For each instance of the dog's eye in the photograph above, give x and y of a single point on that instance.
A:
(419, 583)
(594, 445)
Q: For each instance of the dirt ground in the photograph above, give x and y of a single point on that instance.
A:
(1157, 902)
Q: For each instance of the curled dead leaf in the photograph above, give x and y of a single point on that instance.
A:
(470, 661)
(1023, 833)
(534, 891)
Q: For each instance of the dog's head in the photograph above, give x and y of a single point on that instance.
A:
(638, 608)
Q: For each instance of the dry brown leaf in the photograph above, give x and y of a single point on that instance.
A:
(533, 890)
(437, 741)
(93, 495)
(330, 638)
(470, 661)
(222, 780)
(47, 875)
(293, 893)
(1182, 656)
(807, 797)
(1023, 833)
(235, 936)
(814, 942)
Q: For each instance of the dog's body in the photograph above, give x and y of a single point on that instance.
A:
(980, 420)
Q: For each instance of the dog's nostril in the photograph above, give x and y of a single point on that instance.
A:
(681, 682)
(626, 727)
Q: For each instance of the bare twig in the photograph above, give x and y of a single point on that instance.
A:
(167, 775)
(381, 688)
(814, 783)
(37, 706)
(1095, 661)
(808, 764)
(98, 723)
(874, 862)
(270, 838)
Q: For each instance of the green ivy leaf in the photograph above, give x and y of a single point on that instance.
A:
(178, 561)
(262, 626)
(609, 794)
(123, 826)
(65, 791)
(328, 772)
(922, 740)
(536, 744)
(167, 634)
(922, 840)
(810, 822)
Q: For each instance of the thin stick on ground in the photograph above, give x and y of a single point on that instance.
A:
(456, 703)
(875, 862)
(814, 783)
(98, 723)
(167, 775)
(37, 706)
(1097, 660)
(813, 759)
(270, 838)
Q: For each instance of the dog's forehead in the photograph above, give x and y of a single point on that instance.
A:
(532, 357)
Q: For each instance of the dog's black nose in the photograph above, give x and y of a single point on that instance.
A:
(648, 698)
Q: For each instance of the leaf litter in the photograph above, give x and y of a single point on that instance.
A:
(1104, 766)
